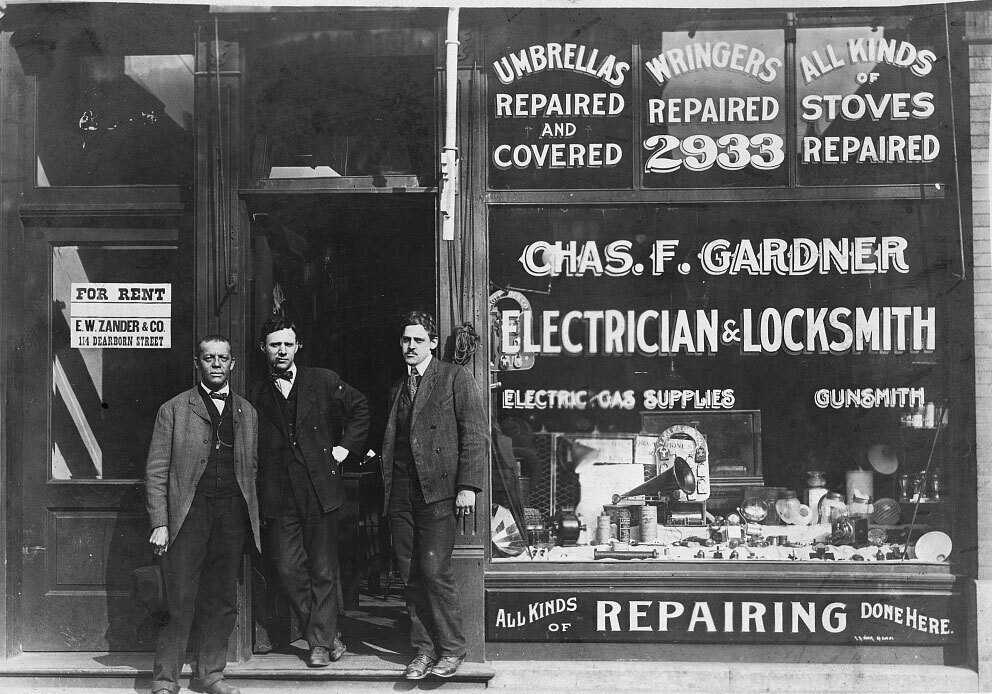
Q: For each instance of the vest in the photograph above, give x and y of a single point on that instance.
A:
(402, 453)
(219, 479)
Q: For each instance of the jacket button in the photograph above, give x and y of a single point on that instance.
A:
(444, 475)
(333, 473)
(315, 427)
(206, 441)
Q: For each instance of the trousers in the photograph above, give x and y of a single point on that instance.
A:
(423, 541)
(303, 548)
(200, 571)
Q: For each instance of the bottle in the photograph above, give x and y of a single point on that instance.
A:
(816, 488)
(918, 418)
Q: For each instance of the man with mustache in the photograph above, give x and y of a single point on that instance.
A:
(309, 422)
(433, 453)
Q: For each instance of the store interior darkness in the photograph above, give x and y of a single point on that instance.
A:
(344, 268)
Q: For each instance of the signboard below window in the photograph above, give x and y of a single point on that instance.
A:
(666, 617)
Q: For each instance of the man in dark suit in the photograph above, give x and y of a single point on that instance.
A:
(309, 422)
(434, 454)
(200, 491)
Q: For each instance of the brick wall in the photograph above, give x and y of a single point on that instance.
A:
(979, 32)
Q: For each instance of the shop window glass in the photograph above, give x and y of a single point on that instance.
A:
(344, 103)
(650, 345)
(112, 118)
(559, 102)
(713, 109)
(873, 102)
(104, 399)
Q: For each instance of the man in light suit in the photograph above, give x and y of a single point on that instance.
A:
(434, 455)
(200, 491)
(309, 422)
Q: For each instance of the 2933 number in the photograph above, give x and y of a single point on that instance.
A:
(731, 152)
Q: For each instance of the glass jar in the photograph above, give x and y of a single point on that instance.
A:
(787, 506)
(832, 507)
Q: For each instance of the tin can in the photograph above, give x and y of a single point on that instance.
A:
(603, 530)
(623, 525)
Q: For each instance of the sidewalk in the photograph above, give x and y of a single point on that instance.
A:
(26, 675)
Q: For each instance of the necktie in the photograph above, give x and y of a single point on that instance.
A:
(412, 383)
(218, 396)
(284, 375)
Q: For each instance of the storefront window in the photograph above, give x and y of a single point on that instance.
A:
(763, 382)
(106, 117)
(714, 109)
(344, 103)
(873, 102)
(119, 349)
(560, 102)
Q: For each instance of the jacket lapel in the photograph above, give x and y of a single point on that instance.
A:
(196, 404)
(305, 395)
(235, 403)
(425, 390)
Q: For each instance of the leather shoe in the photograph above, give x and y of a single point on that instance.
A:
(418, 667)
(447, 665)
(218, 687)
(338, 649)
(319, 656)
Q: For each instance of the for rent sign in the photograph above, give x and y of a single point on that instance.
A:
(882, 619)
(121, 316)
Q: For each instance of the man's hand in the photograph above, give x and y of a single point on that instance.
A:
(464, 502)
(339, 453)
(159, 539)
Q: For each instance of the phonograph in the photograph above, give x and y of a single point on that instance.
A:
(682, 486)
(658, 490)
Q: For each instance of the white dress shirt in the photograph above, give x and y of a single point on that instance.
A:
(285, 386)
(421, 368)
(219, 404)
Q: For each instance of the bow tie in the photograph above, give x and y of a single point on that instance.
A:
(284, 375)
(218, 396)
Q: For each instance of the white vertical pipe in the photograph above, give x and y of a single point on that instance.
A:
(449, 152)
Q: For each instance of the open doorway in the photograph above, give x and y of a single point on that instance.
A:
(344, 267)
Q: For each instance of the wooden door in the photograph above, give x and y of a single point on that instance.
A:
(88, 417)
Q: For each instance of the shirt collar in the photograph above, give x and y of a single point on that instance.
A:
(226, 389)
(421, 368)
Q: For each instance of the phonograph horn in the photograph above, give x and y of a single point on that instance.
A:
(575, 452)
(679, 476)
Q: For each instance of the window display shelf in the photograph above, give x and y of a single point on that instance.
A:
(767, 543)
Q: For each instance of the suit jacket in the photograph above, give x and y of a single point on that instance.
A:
(178, 455)
(449, 437)
(329, 413)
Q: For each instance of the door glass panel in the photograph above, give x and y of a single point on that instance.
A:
(104, 399)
